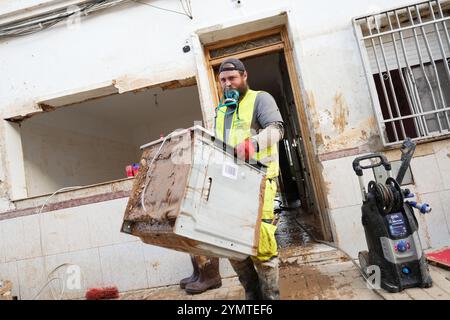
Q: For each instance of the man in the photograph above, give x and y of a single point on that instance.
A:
(205, 276)
(253, 126)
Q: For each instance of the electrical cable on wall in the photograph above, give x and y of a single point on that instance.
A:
(49, 19)
(186, 8)
(47, 283)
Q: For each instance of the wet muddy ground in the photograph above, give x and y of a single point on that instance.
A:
(308, 271)
(311, 272)
(297, 282)
(289, 233)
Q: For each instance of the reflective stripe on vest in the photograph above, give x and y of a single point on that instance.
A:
(241, 130)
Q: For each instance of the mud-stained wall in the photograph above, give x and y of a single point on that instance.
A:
(335, 130)
(147, 50)
(5, 203)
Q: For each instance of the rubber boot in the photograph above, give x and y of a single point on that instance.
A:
(209, 276)
(193, 277)
(248, 277)
(268, 274)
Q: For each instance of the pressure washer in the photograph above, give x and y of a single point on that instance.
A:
(390, 226)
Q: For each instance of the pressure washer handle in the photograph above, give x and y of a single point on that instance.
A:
(407, 150)
(358, 168)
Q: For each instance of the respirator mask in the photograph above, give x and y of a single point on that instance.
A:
(229, 102)
(231, 96)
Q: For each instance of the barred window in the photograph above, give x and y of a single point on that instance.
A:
(407, 56)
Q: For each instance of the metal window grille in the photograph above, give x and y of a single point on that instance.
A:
(406, 53)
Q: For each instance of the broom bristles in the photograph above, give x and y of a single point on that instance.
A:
(102, 293)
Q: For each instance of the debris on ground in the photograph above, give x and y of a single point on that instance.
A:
(440, 258)
(5, 290)
(102, 293)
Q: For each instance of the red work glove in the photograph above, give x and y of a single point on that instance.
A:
(245, 150)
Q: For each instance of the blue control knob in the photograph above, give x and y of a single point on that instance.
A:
(406, 270)
(402, 246)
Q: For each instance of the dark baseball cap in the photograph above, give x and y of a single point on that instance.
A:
(231, 64)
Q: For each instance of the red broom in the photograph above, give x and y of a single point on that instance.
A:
(102, 293)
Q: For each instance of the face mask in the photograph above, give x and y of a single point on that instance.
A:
(231, 95)
(230, 101)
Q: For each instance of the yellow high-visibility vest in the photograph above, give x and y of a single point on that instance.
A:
(241, 130)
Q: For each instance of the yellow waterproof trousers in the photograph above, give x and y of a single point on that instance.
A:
(267, 243)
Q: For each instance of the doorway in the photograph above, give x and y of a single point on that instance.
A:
(265, 55)
(269, 73)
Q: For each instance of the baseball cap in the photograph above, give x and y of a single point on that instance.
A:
(231, 64)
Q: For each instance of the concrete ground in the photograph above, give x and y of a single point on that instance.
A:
(311, 272)
(314, 272)
(308, 271)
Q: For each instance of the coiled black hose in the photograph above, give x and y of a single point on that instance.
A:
(389, 196)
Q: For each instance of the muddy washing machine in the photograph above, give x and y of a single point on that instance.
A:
(390, 226)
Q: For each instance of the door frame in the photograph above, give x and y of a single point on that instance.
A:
(284, 45)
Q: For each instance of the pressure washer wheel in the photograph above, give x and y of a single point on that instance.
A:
(363, 257)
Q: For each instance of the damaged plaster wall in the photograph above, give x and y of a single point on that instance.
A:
(337, 96)
(93, 141)
(331, 70)
(63, 157)
(5, 203)
(323, 36)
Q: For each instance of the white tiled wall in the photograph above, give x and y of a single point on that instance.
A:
(9, 271)
(89, 265)
(339, 173)
(2, 246)
(89, 237)
(225, 268)
(21, 238)
(123, 265)
(442, 153)
(161, 271)
(32, 278)
(437, 221)
(105, 221)
(100, 225)
(68, 229)
(54, 238)
(342, 183)
(349, 230)
(427, 175)
(445, 198)
(77, 230)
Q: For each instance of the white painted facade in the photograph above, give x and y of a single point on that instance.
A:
(134, 46)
